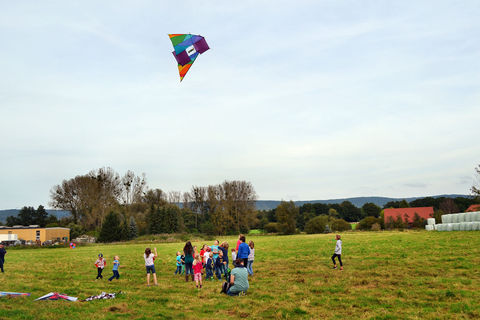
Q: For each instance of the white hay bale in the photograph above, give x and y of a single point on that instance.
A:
(456, 226)
(476, 216)
(431, 221)
(468, 217)
(435, 227)
(475, 226)
(429, 227)
(469, 226)
(445, 218)
(461, 217)
(455, 218)
(449, 226)
(462, 226)
(441, 227)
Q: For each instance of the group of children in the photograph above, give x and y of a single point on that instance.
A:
(213, 259)
(101, 263)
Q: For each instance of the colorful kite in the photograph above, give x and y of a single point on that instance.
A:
(13, 294)
(56, 296)
(187, 48)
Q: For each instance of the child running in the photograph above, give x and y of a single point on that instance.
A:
(179, 263)
(116, 265)
(100, 264)
(197, 270)
(338, 253)
(150, 265)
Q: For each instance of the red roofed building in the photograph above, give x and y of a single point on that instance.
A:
(423, 212)
(473, 208)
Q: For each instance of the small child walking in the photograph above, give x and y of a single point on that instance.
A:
(182, 259)
(338, 253)
(234, 255)
(116, 265)
(100, 264)
(197, 270)
(179, 263)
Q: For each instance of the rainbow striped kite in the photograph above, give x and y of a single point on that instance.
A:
(187, 48)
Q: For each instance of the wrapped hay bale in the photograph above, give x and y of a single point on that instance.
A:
(446, 219)
(475, 226)
(441, 227)
(476, 216)
(435, 227)
(456, 227)
(429, 227)
(455, 218)
(468, 226)
(468, 217)
(431, 221)
(461, 217)
(450, 227)
(462, 226)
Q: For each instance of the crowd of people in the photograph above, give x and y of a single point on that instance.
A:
(214, 262)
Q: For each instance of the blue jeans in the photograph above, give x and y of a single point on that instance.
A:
(230, 293)
(249, 267)
(178, 270)
(115, 275)
(218, 272)
(189, 268)
(209, 273)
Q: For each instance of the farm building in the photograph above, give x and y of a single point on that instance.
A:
(35, 233)
(408, 214)
(473, 208)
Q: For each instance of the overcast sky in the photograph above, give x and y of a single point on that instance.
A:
(304, 99)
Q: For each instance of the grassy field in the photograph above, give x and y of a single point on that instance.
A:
(388, 275)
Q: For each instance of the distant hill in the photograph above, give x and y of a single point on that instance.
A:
(357, 201)
(270, 204)
(14, 212)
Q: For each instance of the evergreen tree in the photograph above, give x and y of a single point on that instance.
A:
(111, 228)
(133, 231)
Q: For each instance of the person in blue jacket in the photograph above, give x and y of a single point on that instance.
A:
(243, 251)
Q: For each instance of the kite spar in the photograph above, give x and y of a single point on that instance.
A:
(187, 48)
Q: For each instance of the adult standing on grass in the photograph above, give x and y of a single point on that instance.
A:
(188, 252)
(238, 280)
(150, 265)
(338, 252)
(3, 252)
(243, 251)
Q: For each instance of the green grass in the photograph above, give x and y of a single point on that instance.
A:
(388, 275)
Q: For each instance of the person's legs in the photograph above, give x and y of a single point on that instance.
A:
(1, 264)
(111, 278)
(148, 278)
(117, 275)
(340, 260)
(249, 267)
(155, 279)
(230, 293)
(333, 259)
(245, 262)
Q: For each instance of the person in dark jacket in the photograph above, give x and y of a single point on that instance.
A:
(243, 251)
(3, 252)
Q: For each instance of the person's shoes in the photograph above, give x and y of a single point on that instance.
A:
(334, 267)
(341, 268)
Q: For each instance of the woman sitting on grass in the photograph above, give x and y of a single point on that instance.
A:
(238, 280)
